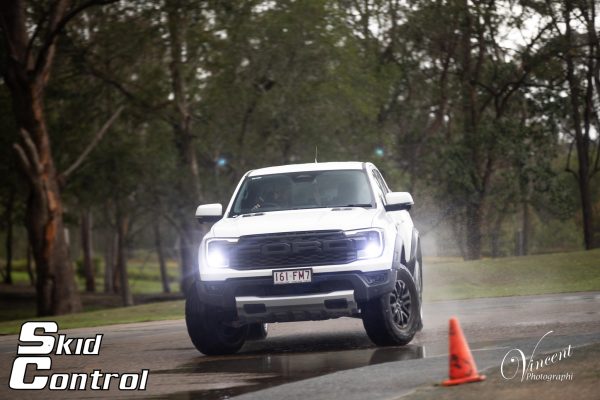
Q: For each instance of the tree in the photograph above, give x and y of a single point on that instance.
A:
(452, 101)
(85, 225)
(582, 52)
(10, 195)
(30, 50)
(164, 277)
(169, 50)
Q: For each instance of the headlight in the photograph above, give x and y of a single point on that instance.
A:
(218, 252)
(368, 242)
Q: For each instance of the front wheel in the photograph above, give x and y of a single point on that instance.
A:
(394, 318)
(208, 331)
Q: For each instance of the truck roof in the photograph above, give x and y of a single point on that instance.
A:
(325, 166)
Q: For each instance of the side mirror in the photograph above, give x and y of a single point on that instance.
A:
(209, 213)
(396, 201)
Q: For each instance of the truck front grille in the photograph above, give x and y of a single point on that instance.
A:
(294, 249)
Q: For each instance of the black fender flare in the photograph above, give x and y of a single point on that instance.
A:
(400, 259)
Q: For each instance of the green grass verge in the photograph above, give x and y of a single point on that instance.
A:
(513, 276)
(142, 313)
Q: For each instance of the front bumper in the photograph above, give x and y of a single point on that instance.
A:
(307, 307)
(329, 295)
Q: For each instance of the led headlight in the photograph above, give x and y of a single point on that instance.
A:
(368, 242)
(218, 252)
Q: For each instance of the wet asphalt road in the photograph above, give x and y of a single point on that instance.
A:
(298, 351)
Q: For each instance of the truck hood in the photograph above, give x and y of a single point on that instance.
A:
(296, 221)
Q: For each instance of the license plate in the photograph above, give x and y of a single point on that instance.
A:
(292, 276)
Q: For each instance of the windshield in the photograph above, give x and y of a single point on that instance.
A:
(299, 190)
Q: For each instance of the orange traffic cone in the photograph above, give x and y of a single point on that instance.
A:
(462, 365)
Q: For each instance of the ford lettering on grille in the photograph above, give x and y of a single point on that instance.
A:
(307, 246)
(292, 249)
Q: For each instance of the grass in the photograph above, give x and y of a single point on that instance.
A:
(513, 276)
(444, 280)
(99, 308)
(142, 313)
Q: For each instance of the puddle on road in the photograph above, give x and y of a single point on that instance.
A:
(260, 371)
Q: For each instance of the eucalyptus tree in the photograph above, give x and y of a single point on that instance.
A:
(451, 104)
(10, 193)
(288, 77)
(30, 33)
(160, 70)
(575, 30)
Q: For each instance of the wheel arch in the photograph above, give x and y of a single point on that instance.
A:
(415, 251)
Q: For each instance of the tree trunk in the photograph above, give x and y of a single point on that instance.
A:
(86, 245)
(122, 231)
(116, 272)
(109, 261)
(161, 257)
(496, 234)
(582, 139)
(26, 77)
(587, 209)
(56, 286)
(29, 261)
(458, 230)
(188, 185)
(472, 48)
(518, 242)
(526, 229)
(8, 217)
(473, 231)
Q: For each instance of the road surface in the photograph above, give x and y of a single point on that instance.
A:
(298, 351)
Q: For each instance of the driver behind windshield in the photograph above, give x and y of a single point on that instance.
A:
(303, 190)
(277, 196)
(346, 194)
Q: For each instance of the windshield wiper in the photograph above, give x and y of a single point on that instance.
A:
(256, 214)
(355, 205)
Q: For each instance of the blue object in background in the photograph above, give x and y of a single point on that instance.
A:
(221, 162)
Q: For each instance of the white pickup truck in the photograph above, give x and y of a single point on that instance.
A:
(307, 242)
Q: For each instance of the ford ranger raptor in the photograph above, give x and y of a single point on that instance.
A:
(307, 242)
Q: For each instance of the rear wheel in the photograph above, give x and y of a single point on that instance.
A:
(394, 318)
(208, 331)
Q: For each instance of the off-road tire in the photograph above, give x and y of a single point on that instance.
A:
(208, 332)
(394, 318)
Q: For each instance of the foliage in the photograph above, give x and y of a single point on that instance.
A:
(479, 127)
